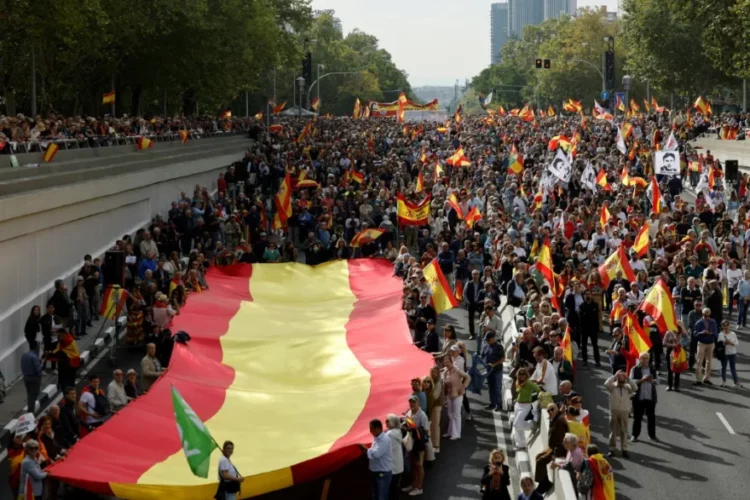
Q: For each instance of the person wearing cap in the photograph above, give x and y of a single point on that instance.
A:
(706, 334)
(494, 355)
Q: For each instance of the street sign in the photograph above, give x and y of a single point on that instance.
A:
(605, 95)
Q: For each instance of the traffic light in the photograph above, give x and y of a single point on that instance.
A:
(547, 64)
(538, 64)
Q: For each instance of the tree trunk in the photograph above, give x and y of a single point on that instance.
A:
(135, 100)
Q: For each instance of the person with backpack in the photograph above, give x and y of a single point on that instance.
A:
(93, 405)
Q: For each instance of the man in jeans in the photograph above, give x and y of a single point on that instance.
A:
(31, 368)
(494, 355)
(381, 461)
(706, 333)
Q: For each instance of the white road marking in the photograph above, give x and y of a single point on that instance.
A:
(726, 424)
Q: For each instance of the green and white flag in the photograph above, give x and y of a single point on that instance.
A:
(197, 442)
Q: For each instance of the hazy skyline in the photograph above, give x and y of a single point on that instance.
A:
(434, 41)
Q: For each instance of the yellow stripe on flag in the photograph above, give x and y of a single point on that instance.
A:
(326, 382)
(442, 295)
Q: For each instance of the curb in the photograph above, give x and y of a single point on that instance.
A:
(50, 392)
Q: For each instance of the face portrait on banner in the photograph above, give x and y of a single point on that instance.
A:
(667, 163)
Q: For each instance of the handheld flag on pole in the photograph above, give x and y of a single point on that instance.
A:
(640, 245)
(196, 440)
(315, 104)
(442, 297)
(659, 305)
(50, 152)
(113, 302)
(144, 143)
(108, 98)
(618, 261)
(366, 236)
(184, 134)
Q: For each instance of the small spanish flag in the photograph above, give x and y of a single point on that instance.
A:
(113, 302)
(358, 177)
(305, 132)
(315, 104)
(50, 152)
(459, 290)
(473, 216)
(604, 216)
(420, 182)
(365, 237)
(640, 244)
(144, 143)
(279, 108)
(184, 134)
(108, 98)
(259, 115)
(442, 299)
(275, 128)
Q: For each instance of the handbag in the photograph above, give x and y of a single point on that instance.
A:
(585, 479)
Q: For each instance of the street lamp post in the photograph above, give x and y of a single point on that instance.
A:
(301, 84)
(626, 86)
(601, 73)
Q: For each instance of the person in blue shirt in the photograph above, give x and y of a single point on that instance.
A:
(706, 334)
(494, 355)
(31, 368)
(381, 461)
(148, 263)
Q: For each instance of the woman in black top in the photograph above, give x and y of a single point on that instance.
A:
(496, 478)
(31, 330)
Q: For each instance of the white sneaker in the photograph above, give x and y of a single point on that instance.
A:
(436, 450)
(415, 492)
(722, 384)
(407, 489)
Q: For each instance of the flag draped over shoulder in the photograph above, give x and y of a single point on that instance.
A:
(618, 261)
(442, 297)
(604, 489)
(196, 440)
(411, 214)
(659, 305)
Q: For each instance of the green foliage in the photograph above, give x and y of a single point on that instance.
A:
(194, 52)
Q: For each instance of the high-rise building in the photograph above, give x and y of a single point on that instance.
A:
(553, 9)
(498, 30)
(522, 13)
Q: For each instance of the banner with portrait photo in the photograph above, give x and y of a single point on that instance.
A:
(561, 167)
(667, 163)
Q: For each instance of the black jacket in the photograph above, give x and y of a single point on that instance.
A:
(431, 342)
(68, 424)
(637, 375)
(473, 291)
(61, 303)
(590, 318)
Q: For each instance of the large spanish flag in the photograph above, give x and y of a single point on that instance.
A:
(659, 305)
(273, 346)
(412, 214)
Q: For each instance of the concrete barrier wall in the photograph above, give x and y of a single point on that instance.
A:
(45, 234)
(536, 440)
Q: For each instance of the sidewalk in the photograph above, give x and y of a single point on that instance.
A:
(15, 398)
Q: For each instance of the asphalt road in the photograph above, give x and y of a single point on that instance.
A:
(454, 475)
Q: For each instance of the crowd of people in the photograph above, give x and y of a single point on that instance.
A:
(20, 130)
(346, 177)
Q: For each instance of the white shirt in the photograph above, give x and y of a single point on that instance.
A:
(226, 465)
(638, 265)
(116, 395)
(732, 337)
(549, 380)
(733, 277)
(90, 401)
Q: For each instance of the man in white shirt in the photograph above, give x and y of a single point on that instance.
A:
(544, 373)
(87, 405)
(116, 392)
(636, 263)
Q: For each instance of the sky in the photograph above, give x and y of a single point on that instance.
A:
(434, 41)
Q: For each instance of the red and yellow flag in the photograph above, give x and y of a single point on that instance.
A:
(411, 214)
(618, 261)
(567, 347)
(703, 106)
(640, 244)
(625, 177)
(604, 216)
(259, 115)
(620, 104)
(459, 292)
(144, 143)
(453, 201)
(515, 161)
(279, 108)
(545, 268)
(442, 298)
(358, 177)
(366, 236)
(659, 305)
(283, 203)
(526, 113)
(458, 159)
(50, 152)
(634, 107)
(601, 180)
(656, 202)
(550, 111)
(315, 104)
(343, 316)
(420, 182)
(473, 216)
(604, 489)
(640, 341)
(113, 302)
(108, 98)
(305, 132)
(646, 105)
(357, 109)
(184, 135)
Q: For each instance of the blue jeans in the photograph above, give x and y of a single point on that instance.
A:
(381, 482)
(495, 383)
(729, 358)
(741, 312)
